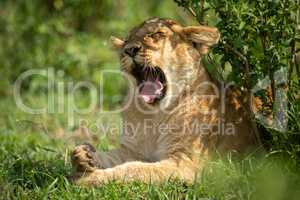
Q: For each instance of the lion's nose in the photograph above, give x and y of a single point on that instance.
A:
(132, 50)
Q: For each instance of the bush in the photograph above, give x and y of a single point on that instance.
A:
(258, 45)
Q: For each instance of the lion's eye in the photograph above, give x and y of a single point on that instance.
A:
(158, 35)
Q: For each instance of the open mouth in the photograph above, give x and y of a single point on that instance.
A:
(151, 83)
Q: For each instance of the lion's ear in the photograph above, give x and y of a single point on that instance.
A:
(116, 42)
(203, 36)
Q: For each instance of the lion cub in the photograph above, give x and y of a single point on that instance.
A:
(174, 115)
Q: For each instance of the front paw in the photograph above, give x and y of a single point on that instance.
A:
(85, 158)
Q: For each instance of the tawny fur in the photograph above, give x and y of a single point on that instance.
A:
(155, 155)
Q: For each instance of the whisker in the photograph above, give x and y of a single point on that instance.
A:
(150, 74)
(145, 68)
(148, 71)
(155, 73)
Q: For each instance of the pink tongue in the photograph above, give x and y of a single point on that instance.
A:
(150, 90)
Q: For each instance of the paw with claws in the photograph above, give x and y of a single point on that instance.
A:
(85, 158)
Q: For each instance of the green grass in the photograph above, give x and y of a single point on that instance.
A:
(33, 166)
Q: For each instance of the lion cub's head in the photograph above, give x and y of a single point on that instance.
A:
(161, 55)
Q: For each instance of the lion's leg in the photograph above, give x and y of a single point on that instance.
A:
(146, 172)
(85, 158)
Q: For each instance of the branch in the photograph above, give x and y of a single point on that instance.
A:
(263, 38)
(191, 12)
(297, 28)
(294, 62)
(297, 60)
(201, 17)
